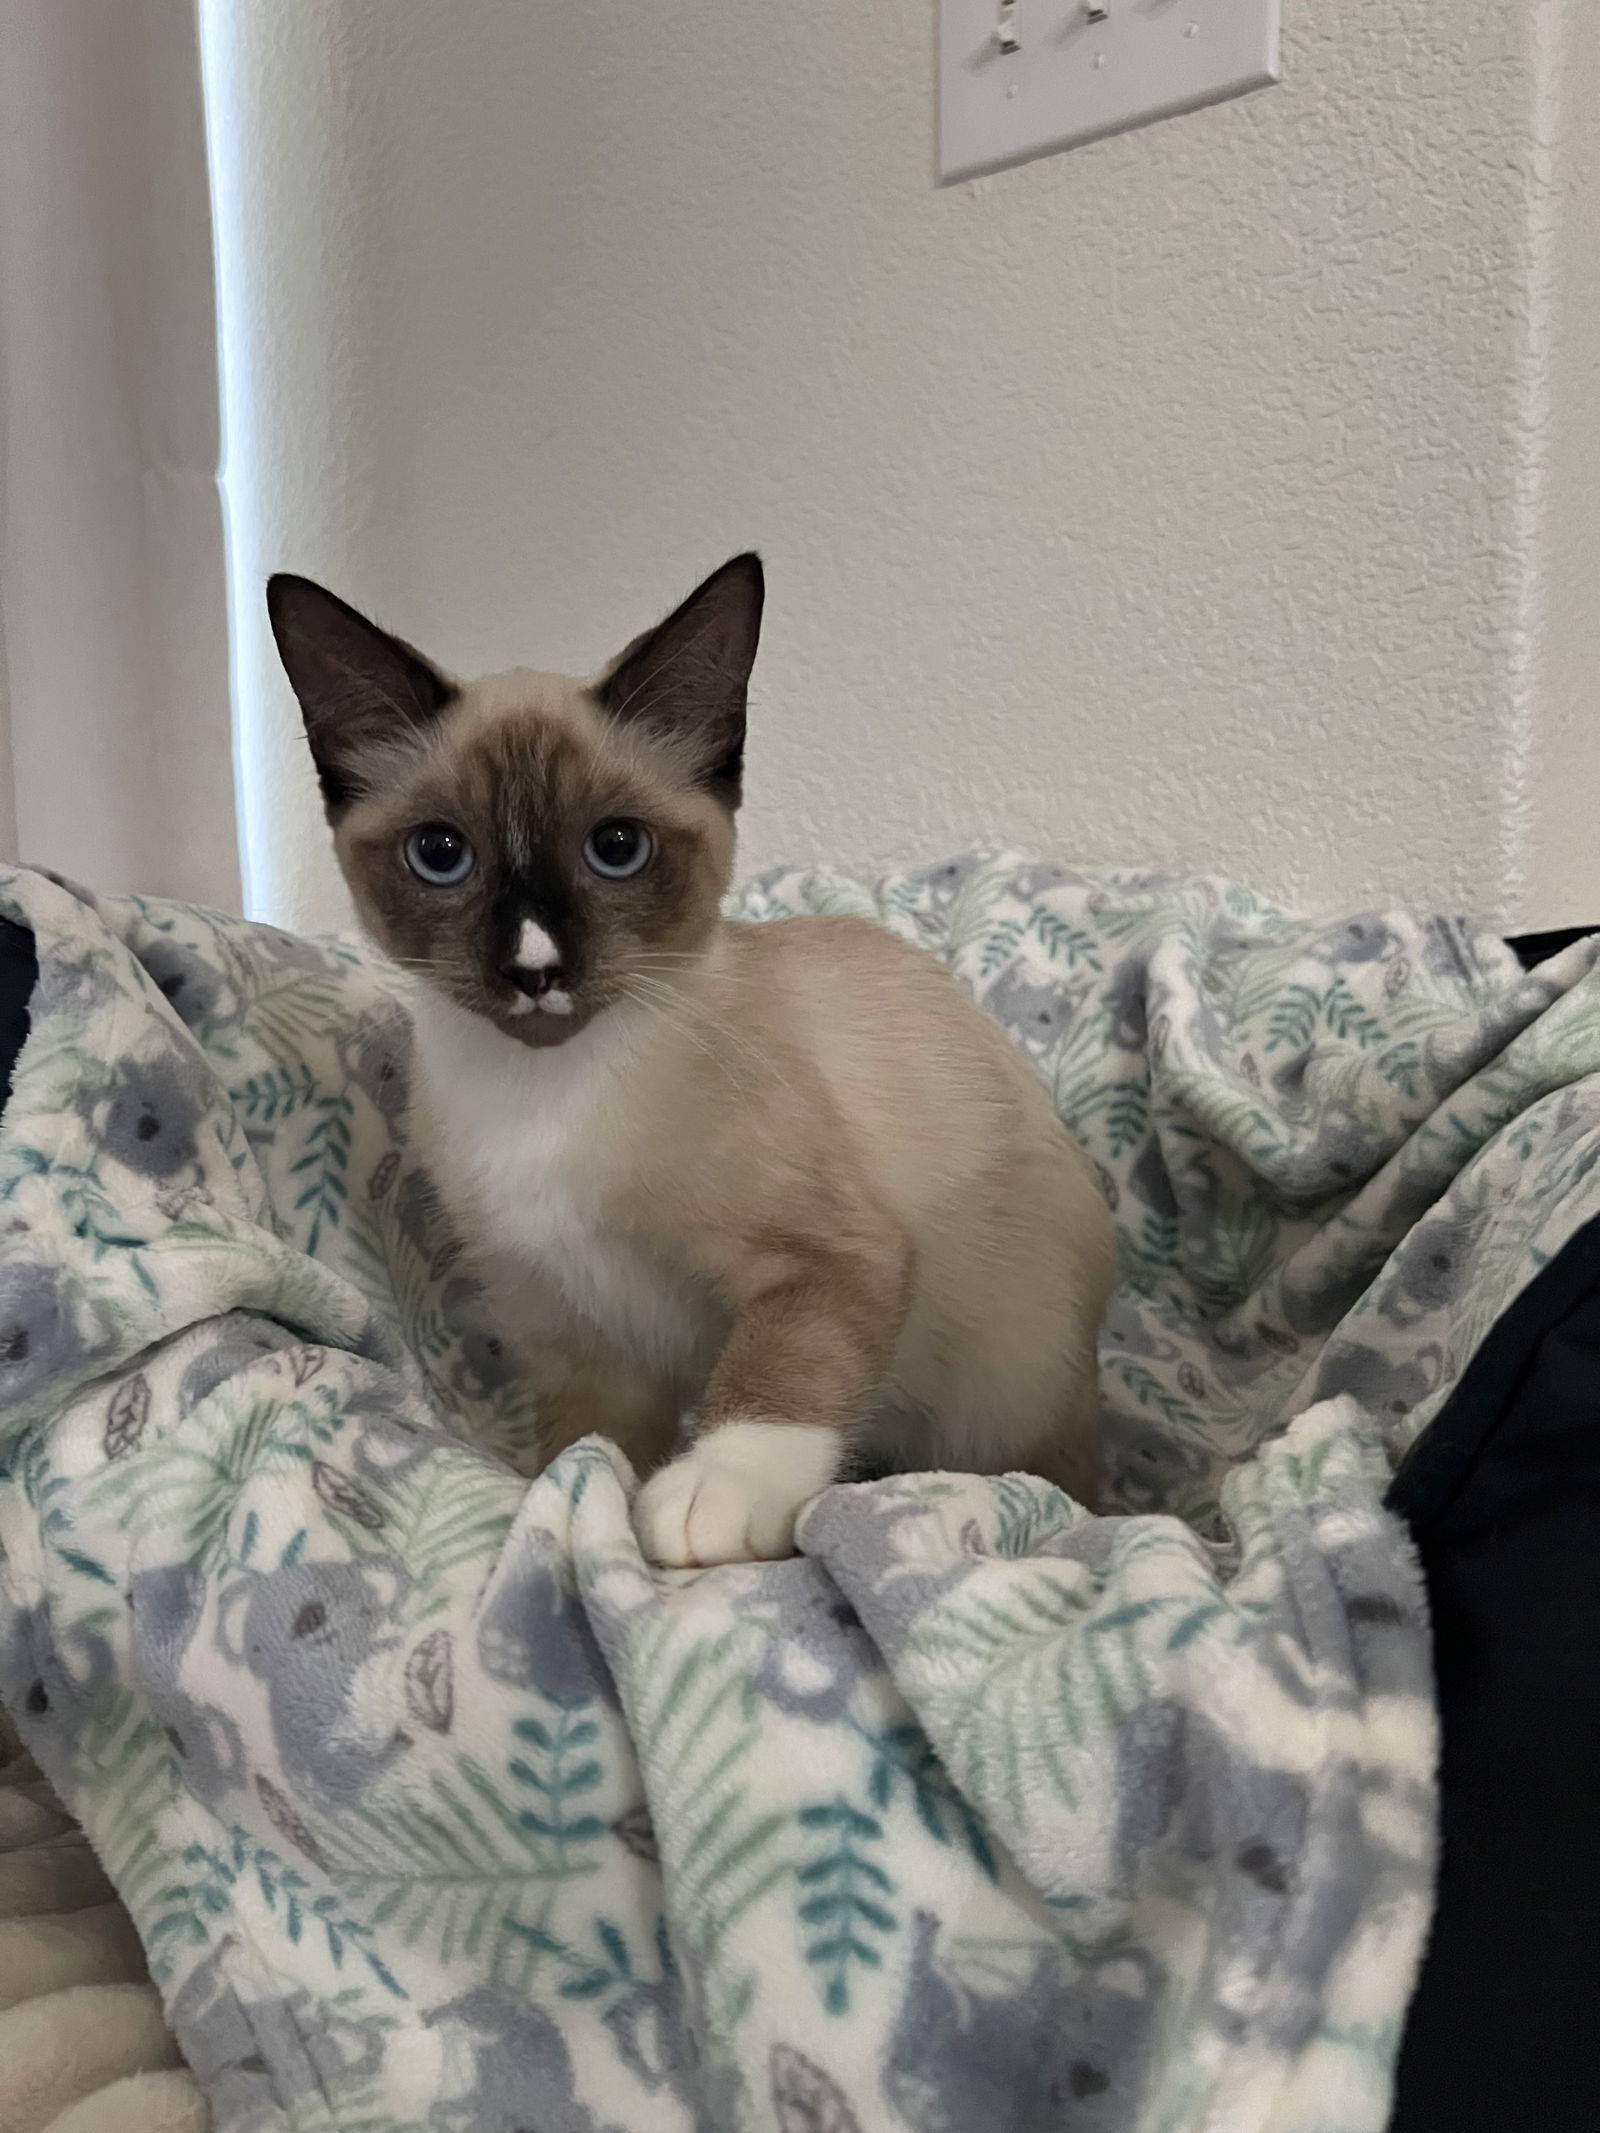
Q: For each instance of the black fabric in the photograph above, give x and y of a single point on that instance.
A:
(1532, 949)
(19, 972)
(1502, 1494)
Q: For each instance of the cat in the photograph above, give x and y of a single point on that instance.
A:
(752, 1199)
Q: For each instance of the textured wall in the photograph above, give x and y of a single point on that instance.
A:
(1186, 499)
(112, 566)
(1558, 827)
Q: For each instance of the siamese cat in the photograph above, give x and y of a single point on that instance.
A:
(758, 1202)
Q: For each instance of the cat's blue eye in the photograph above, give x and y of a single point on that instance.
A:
(439, 855)
(617, 850)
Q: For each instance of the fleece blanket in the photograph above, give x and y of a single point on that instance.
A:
(435, 1806)
(83, 2047)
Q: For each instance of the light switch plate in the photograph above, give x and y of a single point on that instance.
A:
(1027, 78)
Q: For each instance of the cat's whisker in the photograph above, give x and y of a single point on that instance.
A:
(699, 1008)
(684, 967)
(682, 1010)
(695, 959)
(675, 1010)
(662, 1013)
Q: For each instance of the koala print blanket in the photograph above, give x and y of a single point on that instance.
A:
(436, 1807)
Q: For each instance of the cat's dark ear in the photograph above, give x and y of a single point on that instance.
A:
(688, 679)
(357, 685)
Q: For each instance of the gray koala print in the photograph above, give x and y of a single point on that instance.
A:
(1287, 1081)
(1454, 1056)
(508, 2067)
(1126, 1331)
(166, 1607)
(1455, 948)
(1230, 939)
(1150, 1468)
(198, 993)
(376, 1057)
(483, 1361)
(1240, 1831)
(257, 2060)
(240, 1343)
(51, 1693)
(418, 1215)
(1192, 1804)
(1036, 1015)
(1366, 938)
(1150, 1180)
(1314, 1298)
(804, 2095)
(945, 882)
(1046, 2056)
(1092, 1542)
(1430, 1270)
(852, 1531)
(1206, 1024)
(309, 1631)
(1186, 1792)
(1343, 1152)
(147, 1117)
(1385, 1609)
(816, 1651)
(388, 1447)
(533, 1632)
(44, 1339)
(1415, 1192)
(71, 982)
(646, 2025)
(693, 2057)
(1127, 1006)
(1040, 877)
(1371, 1874)
(1385, 1385)
(289, 952)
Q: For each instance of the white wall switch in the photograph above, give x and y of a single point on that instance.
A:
(1021, 78)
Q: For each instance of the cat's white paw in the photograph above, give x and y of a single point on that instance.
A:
(734, 1495)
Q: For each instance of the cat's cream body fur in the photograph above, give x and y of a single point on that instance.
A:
(812, 1088)
(784, 1186)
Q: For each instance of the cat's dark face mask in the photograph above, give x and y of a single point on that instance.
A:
(534, 848)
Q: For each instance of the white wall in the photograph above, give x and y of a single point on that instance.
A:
(117, 747)
(1203, 497)
(1559, 823)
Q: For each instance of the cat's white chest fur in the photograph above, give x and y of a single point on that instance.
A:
(540, 1139)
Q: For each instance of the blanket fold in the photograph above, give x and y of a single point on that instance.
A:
(435, 1806)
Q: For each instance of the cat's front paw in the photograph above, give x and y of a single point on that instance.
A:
(735, 1494)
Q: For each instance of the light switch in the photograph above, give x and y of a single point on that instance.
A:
(1022, 78)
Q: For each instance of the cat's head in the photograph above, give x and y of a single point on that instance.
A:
(535, 848)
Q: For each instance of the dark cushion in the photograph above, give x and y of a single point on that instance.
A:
(19, 973)
(1532, 949)
(1502, 1495)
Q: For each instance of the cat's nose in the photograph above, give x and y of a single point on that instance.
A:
(535, 967)
(534, 984)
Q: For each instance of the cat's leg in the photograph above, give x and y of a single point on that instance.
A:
(1028, 1396)
(811, 1340)
(581, 1392)
(581, 1386)
(1066, 1450)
